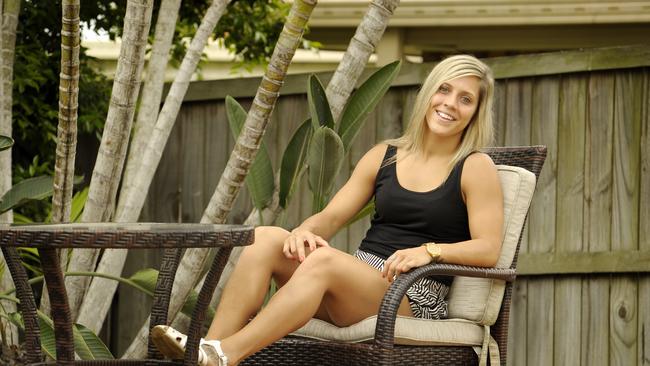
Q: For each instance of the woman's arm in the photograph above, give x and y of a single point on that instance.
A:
(484, 200)
(350, 199)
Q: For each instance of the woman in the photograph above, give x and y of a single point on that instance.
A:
(436, 199)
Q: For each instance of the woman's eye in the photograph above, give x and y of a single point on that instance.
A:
(443, 89)
(466, 100)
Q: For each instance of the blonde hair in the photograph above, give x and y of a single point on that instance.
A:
(480, 130)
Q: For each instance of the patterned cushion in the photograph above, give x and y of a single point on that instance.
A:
(411, 331)
(479, 299)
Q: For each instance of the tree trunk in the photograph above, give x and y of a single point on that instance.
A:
(110, 158)
(361, 46)
(66, 145)
(152, 89)
(132, 200)
(10, 9)
(68, 102)
(241, 158)
(338, 91)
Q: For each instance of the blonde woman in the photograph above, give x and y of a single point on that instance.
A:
(436, 198)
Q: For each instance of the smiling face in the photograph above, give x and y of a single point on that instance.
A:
(453, 105)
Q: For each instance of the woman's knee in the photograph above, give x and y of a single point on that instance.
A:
(268, 238)
(321, 259)
(267, 247)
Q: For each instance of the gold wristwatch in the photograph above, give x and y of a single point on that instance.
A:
(434, 251)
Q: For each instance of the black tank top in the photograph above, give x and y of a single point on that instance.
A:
(405, 219)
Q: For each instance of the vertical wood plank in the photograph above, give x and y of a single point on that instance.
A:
(625, 211)
(569, 214)
(500, 112)
(191, 169)
(597, 226)
(542, 225)
(517, 132)
(216, 146)
(643, 329)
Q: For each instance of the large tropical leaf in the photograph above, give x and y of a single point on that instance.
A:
(48, 343)
(93, 347)
(86, 344)
(260, 180)
(319, 107)
(364, 100)
(324, 160)
(293, 161)
(146, 280)
(5, 142)
(36, 188)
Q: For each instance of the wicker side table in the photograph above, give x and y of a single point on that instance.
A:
(171, 237)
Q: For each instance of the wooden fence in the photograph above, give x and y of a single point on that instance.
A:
(583, 292)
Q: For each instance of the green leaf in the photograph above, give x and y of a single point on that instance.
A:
(364, 100)
(48, 343)
(147, 278)
(319, 107)
(5, 142)
(86, 344)
(324, 159)
(36, 188)
(259, 181)
(77, 205)
(293, 161)
(94, 348)
(21, 219)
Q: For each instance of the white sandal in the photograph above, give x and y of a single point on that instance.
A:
(171, 343)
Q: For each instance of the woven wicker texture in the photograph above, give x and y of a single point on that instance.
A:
(383, 351)
(172, 237)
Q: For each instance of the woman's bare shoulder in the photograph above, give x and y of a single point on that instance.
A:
(478, 167)
(370, 163)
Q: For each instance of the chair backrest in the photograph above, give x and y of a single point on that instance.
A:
(479, 299)
(496, 296)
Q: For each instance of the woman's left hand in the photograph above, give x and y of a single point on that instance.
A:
(404, 260)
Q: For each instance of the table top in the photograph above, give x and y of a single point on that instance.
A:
(125, 235)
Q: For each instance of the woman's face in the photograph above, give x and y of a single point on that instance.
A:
(453, 105)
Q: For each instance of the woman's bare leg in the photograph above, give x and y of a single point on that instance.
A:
(326, 278)
(249, 282)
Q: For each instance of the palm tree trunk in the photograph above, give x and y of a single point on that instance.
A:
(241, 158)
(9, 10)
(110, 158)
(68, 102)
(152, 89)
(361, 46)
(66, 145)
(132, 199)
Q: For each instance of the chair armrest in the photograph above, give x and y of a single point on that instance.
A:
(385, 329)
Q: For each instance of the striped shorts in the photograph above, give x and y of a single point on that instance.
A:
(426, 297)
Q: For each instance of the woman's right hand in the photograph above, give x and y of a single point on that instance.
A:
(294, 245)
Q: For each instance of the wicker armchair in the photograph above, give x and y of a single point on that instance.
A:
(325, 344)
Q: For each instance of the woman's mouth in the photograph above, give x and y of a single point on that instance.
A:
(445, 116)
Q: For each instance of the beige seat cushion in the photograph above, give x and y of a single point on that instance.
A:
(479, 299)
(412, 331)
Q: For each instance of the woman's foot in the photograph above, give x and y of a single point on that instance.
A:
(171, 343)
